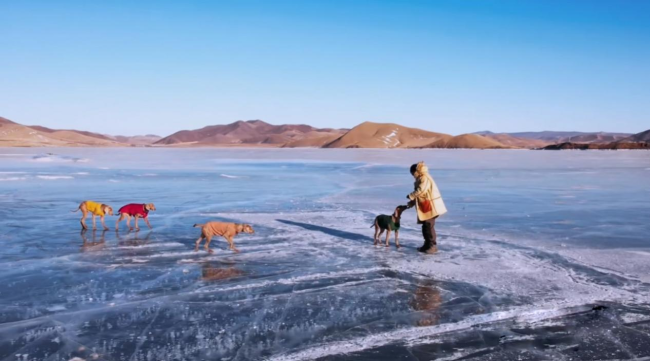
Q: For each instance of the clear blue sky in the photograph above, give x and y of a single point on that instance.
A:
(132, 67)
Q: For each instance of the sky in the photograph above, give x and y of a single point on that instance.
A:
(138, 67)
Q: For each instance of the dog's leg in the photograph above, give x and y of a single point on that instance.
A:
(397, 239)
(146, 220)
(376, 234)
(94, 222)
(136, 222)
(103, 223)
(117, 223)
(128, 221)
(208, 239)
(387, 237)
(232, 244)
(84, 214)
(198, 242)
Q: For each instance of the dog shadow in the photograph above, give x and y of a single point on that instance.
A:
(342, 234)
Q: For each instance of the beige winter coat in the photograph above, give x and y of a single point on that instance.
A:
(428, 200)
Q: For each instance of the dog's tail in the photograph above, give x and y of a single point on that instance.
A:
(197, 225)
(76, 210)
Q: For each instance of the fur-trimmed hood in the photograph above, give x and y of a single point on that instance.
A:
(421, 170)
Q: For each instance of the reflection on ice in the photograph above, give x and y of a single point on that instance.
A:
(525, 255)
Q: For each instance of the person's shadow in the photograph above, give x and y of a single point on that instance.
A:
(342, 234)
(427, 301)
(331, 231)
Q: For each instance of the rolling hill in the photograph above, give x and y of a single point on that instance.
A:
(639, 137)
(133, 140)
(467, 141)
(574, 137)
(636, 141)
(13, 134)
(511, 141)
(252, 132)
(257, 133)
(385, 135)
(137, 139)
(16, 135)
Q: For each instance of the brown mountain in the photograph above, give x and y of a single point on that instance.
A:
(636, 141)
(552, 137)
(639, 137)
(313, 141)
(467, 141)
(511, 141)
(252, 132)
(5, 121)
(88, 134)
(596, 146)
(384, 135)
(133, 140)
(365, 135)
(596, 138)
(16, 135)
(137, 139)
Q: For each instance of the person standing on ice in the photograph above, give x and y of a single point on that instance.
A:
(429, 205)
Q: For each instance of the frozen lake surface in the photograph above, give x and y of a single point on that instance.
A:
(543, 255)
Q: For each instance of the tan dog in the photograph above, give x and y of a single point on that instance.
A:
(95, 209)
(225, 230)
(137, 211)
(388, 223)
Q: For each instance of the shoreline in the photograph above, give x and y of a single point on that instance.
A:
(246, 147)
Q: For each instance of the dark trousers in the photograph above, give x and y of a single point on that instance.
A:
(429, 233)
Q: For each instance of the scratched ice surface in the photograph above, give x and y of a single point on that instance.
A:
(533, 242)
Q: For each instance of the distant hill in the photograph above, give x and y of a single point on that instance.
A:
(314, 141)
(385, 135)
(252, 132)
(639, 137)
(578, 137)
(636, 141)
(13, 134)
(547, 135)
(364, 135)
(484, 132)
(133, 140)
(5, 121)
(545, 138)
(512, 141)
(87, 134)
(467, 141)
(16, 135)
(597, 138)
(257, 133)
(596, 146)
(137, 139)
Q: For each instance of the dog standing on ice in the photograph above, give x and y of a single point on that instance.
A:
(225, 230)
(95, 209)
(384, 222)
(137, 211)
